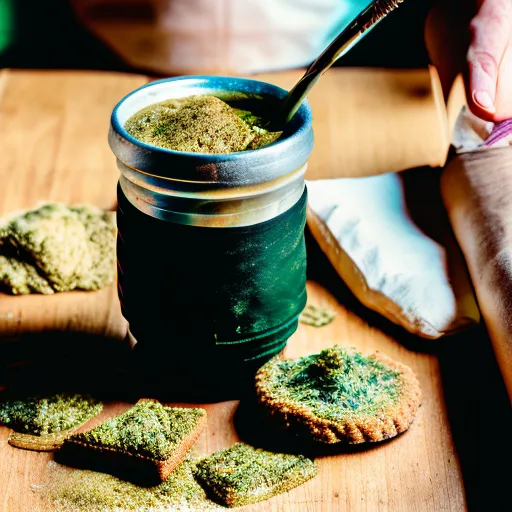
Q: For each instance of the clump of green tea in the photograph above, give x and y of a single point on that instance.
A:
(89, 491)
(241, 475)
(316, 316)
(56, 248)
(42, 415)
(148, 429)
(199, 124)
(336, 382)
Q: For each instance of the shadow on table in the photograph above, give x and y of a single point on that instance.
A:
(480, 417)
(112, 370)
(138, 470)
(57, 361)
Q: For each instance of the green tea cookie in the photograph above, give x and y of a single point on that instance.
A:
(241, 475)
(147, 442)
(339, 395)
(43, 422)
(56, 248)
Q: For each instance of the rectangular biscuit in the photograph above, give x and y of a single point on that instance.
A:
(145, 444)
(241, 475)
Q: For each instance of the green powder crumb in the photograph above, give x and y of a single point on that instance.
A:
(335, 383)
(199, 124)
(56, 248)
(316, 316)
(46, 415)
(241, 475)
(77, 490)
(148, 429)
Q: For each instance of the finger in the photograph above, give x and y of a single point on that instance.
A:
(504, 91)
(490, 35)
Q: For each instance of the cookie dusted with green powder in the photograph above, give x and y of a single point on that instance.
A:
(145, 443)
(43, 422)
(241, 475)
(199, 124)
(57, 247)
(340, 395)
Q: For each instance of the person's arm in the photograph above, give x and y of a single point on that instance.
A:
(475, 37)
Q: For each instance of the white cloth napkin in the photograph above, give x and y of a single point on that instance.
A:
(364, 227)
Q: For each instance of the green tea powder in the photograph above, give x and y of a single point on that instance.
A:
(199, 124)
(77, 490)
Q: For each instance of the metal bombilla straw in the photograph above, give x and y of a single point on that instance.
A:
(351, 35)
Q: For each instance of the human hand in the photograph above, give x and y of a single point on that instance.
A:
(477, 41)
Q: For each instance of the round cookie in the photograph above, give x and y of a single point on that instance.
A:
(340, 395)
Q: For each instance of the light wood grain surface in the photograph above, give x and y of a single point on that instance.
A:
(395, 476)
(372, 121)
(54, 147)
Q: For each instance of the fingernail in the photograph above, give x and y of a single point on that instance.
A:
(484, 100)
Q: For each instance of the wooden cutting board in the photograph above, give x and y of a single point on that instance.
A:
(54, 147)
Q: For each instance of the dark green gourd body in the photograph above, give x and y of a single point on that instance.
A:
(229, 297)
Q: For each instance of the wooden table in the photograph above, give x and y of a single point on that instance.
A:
(54, 147)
